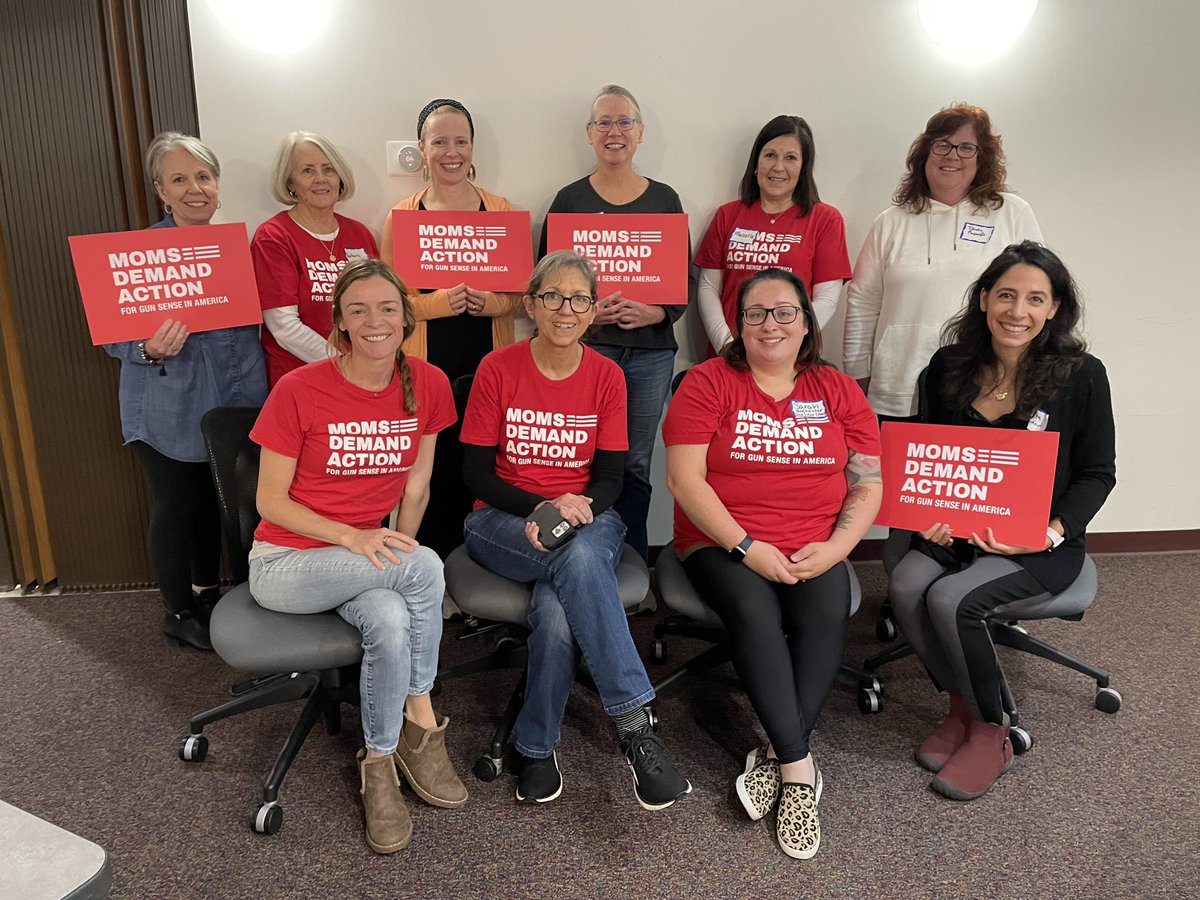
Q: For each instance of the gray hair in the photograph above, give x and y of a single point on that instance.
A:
(166, 141)
(281, 168)
(561, 259)
(615, 90)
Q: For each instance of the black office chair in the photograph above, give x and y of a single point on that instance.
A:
(314, 658)
(1006, 630)
(499, 608)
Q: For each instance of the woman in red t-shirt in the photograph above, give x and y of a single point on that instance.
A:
(343, 441)
(773, 458)
(778, 221)
(544, 431)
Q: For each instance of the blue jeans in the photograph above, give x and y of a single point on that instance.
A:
(647, 384)
(576, 610)
(398, 609)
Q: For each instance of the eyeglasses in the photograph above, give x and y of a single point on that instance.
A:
(553, 300)
(625, 124)
(965, 150)
(784, 315)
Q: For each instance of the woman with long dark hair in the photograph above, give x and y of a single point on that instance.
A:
(1013, 358)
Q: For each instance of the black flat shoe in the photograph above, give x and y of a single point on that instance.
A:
(187, 631)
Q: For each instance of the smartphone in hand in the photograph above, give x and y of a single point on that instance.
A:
(553, 529)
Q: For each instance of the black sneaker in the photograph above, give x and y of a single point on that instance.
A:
(656, 781)
(540, 780)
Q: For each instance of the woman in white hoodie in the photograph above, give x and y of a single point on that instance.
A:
(952, 215)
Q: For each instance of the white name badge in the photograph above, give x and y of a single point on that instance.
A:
(976, 233)
(743, 236)
(1039, 421)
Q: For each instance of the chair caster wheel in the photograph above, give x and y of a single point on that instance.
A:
(870, 683)
(1022, 741)
(1108, 700)
(194, 748)
(488, 769)
(885, 630)
(869, 701)
(268, 819)
(658, 650)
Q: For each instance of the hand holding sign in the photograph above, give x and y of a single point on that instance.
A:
(168, 341)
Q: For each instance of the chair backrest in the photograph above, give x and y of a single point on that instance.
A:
(233, 458)
(461, 389)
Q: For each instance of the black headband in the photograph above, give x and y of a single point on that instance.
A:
(434, 105)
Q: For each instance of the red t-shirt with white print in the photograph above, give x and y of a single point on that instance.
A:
(353, 447)
(293, 268)
(777, 465)
(546, 431)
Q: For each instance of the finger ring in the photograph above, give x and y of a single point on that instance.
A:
(385, 539)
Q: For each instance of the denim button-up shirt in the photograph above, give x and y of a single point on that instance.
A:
(215, 368)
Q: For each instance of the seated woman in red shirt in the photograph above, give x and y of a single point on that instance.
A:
(545, 427)
(773, 458)
(343, 441)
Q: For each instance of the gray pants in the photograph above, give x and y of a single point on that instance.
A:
(943, 613)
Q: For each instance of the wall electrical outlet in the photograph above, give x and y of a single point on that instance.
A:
(403, 158)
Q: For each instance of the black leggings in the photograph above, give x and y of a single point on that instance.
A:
(185, 525)
(787, 640)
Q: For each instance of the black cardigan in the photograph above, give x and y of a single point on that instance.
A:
(1084, 473)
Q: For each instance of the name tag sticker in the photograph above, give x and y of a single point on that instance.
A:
(353, 253)
(976, 233)
(743, 236)
(1039, 422)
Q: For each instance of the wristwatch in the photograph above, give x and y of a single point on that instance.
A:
(738, 553)
(1055, 537)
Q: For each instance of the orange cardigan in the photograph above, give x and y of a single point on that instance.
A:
(436, 305)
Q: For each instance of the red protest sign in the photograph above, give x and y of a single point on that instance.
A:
(131, 281)
(489, 251)
(969, 478)
(642, 255)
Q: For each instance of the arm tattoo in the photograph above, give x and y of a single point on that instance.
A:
(860, 472)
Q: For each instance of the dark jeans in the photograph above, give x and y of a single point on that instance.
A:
(787, 640)
(185, 525)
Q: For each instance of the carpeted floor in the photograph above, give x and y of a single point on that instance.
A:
(1102, 806)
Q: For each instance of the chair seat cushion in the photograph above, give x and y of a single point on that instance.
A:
(252, 639)
(1074, 600)
(482, 593)
(676, 591)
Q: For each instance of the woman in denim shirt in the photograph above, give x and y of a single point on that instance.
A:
(168, 382)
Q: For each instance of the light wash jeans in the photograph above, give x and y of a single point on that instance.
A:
(647, 383)
(398, 609)
(576, 609)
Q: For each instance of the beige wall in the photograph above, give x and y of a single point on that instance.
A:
(1099, 105)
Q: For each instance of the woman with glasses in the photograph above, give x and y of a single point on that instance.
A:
(773, 458)
(459, 326)
(638, 337)
(778, 221)
(544, 436)
(952, 215)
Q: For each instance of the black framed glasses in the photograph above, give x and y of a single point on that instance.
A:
(553, 300)
(784, 315)
(965, 150)
(625, 123)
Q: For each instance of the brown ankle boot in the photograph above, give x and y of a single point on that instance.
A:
(389, 826)
(973, 769)
(947, 737)
(421, 756)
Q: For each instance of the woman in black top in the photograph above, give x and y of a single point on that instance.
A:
(1012, 358)
(638, 337)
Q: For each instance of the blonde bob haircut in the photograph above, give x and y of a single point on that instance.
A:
(281, 168)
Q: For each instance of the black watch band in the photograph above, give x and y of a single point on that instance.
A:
(738, 553)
